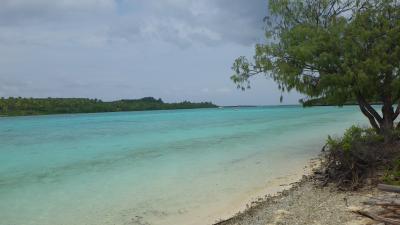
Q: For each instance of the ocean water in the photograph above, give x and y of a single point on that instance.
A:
(154, 167)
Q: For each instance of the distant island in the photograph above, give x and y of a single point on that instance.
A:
(328, 102)
(45, 106)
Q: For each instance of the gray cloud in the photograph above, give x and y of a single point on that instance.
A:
(188, 21)
(27, 12)
(112, 49)
(101, 22)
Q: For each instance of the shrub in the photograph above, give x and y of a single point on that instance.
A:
(356, 156)
(392, 173)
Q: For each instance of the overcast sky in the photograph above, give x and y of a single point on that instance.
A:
(112, 49)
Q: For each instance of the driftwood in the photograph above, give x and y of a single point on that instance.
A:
(387, 201)
(384, 209)
(383, 204)
(389, 188)
(378, 218)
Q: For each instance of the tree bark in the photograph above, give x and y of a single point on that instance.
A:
(374, 118)
(387, 126)
(383, 125)
(389, 115)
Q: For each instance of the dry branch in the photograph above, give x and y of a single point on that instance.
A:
(377, 217)
(389, 188)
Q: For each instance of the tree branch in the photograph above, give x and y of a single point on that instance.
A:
(371, 118)
(369, 108)
(364, 107)
(397, 112)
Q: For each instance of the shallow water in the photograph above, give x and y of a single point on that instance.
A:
(154, 167)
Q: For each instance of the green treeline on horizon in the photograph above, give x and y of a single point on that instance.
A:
(327, 102)
(44, 106)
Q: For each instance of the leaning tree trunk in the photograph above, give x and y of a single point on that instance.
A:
(387, 124)
(383, 124)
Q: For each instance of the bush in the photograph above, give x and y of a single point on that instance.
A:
(356, 156)
(392, 173)
(352, 137)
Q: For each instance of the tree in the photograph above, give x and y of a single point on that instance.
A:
(333, 49)
(42, 106)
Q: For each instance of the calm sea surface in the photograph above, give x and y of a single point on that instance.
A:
(155, 167)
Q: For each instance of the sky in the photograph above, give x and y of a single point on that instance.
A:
(122, 49)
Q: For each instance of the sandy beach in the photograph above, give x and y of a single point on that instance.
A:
(216, 214)
(305, 203)
(273, 187)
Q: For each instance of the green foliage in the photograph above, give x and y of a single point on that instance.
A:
(352, 137)
(336, 50)
(354, 157)
(42, 106)
(392, 175)
(329, 48)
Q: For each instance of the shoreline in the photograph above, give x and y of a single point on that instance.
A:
(271, 189)
(305, 203)
(94, 113)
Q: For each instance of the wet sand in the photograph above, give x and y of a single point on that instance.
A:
(305, 203)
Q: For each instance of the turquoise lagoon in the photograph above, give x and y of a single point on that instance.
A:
(154, 167)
